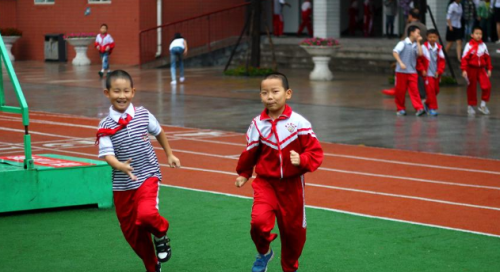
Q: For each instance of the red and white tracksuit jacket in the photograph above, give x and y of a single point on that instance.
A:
(279, 186)
(269, 143)
(475, 60)
(104, 41)
(431, 82)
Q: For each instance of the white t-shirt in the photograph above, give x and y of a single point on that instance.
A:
(306, 6)
(455, 15)
(177, 43)
(278, 6)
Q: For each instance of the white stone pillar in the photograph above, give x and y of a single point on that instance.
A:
(326, 15)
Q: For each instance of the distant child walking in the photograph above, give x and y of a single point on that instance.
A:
(283, 147)
(123, 139)
(431, 66)
(104, 43)
(476, 67)
(406, 53)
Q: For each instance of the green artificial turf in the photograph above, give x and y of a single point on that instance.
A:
(211, 233)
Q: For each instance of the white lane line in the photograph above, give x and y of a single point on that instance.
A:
(36, 133)
(412, 179)
(413, 164)
(233, 157)
(344, 212)
(319, 185)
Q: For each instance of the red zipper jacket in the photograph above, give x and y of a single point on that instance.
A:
(269, 143)
(476, 55)
(424, 61)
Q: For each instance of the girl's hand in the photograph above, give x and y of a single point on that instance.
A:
(295, 158)
(173, 161)
(240, 181)
(489, 73)
(127, 169)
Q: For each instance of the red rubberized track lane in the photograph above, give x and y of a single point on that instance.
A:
(449, 191)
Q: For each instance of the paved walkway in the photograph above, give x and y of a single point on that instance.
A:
(350, 109)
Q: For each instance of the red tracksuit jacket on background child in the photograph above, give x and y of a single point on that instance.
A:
(431, 66)
(476, 66)
(123, 139)
(283, 147)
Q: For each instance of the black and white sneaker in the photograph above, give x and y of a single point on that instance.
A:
(163, 250)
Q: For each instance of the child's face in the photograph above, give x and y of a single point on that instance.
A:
(273, 94)
(432, 38)
(477, 35)
(104, 29)
(415, 34)
(120, 94)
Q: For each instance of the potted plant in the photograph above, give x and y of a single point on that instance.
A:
(10, 36)
(80, 41)
(321, 50)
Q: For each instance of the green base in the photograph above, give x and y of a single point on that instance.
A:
(46, 187)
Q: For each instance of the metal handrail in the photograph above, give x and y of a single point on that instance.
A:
(207, 14)
(23, 105)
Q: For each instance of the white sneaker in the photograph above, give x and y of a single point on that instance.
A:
(471, 111)
(173, 82)
(182, 79)
(498, 51)
(484, 110)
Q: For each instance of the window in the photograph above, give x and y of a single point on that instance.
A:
(44, 1)
(99, 1)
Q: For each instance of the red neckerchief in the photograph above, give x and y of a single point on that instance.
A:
(474, 46)
(102, 132)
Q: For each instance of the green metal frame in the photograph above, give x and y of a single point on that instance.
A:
(23, 105)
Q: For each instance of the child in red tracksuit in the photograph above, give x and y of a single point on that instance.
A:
(476, 66)
(431, 66)
(105, 44)
(123, 139)
(283, 147)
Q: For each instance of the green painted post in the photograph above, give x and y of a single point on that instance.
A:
(2, 94)
(23, 105)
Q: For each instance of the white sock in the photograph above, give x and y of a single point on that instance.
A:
(102, 71)
(483, 104)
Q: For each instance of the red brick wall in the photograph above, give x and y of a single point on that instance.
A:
(8, 15)
(64, 16)
(125, 19)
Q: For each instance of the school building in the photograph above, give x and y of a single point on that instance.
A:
(127, 18)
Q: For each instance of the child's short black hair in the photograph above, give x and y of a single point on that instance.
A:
(415, 13)
(432, 31)
(477, 28)
(105, 25)
(116, 75)
(412, 29)
(280, 76)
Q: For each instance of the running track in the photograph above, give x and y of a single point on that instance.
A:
(452, 192)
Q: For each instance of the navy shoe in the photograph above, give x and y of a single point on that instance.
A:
(163, 249)
(401, 113)
(261, 261)
(101, 74)
(432, 113)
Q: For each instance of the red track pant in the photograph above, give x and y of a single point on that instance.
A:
(306, 22)
(476, 74)
(432, 90)
(410, 82)
(137, 212)
(278, 25)
(282, 200)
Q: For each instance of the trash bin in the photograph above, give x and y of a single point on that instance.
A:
(55, 47)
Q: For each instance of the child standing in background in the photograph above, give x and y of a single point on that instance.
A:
(104, 43)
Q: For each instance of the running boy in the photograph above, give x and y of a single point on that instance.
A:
(104, 43)
(283, 147)
(406, 53)
(123, 139)
(476, 66)
(431, 66)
